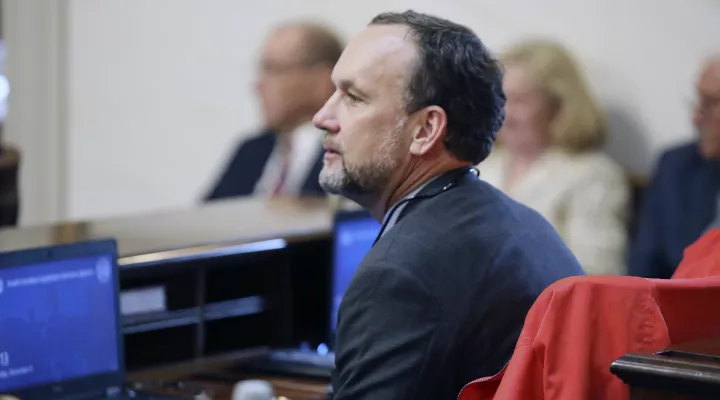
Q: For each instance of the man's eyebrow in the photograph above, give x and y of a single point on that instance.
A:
(347, 85)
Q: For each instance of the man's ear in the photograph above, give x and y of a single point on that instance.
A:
(430, 130)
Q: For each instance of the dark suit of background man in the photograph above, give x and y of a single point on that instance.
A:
(684, 196)
(441, 297)
(293, 83)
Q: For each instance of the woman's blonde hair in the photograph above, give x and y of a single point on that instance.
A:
(578, 124)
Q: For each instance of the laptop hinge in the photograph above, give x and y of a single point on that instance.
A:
(109, 392)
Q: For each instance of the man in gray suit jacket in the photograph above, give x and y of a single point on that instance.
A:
(441, 297)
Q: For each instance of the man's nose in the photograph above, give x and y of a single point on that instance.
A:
(325, 119)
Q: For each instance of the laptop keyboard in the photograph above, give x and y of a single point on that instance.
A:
(304, 357)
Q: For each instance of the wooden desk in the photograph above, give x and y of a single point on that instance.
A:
(171, 234)
(684, 371)
(235, 274)
(214, 375)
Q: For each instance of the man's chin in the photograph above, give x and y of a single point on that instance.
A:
(339, 183)
(331, 189)
(332, 182)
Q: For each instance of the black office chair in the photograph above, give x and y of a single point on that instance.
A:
(9, 192)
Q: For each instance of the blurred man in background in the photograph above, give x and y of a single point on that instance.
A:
(683, 198)
(292, 84)
(9, 159)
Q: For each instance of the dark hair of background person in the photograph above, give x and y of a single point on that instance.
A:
(455, 71)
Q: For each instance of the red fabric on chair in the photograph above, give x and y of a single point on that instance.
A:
(702, 258)
(579, 326)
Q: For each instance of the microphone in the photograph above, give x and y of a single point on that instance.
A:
(253, 389)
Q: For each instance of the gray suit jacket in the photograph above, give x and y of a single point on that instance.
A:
(441, 298)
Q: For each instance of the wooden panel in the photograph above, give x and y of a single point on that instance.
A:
(214, 375)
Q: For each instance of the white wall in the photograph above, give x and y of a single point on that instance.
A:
(159, 91)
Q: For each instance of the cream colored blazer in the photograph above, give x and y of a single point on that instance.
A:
(585, 197)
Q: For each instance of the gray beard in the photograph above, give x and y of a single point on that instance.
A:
(369, 178)
(357, 180)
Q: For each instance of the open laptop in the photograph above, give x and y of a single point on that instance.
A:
(353, 235)
(60, 327)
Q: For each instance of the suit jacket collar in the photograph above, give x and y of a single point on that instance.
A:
(452, 177)
(440, 184)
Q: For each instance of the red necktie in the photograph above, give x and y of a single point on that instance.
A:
(284, 167)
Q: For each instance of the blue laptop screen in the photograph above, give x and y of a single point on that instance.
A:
(353, 239)
(57, 322)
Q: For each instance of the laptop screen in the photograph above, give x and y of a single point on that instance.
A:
(354, 235)
(57, 321)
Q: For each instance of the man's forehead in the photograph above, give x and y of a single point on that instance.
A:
(379, 55)
(285, 42)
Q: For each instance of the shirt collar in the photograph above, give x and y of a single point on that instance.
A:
(434, 187)
(393, 213)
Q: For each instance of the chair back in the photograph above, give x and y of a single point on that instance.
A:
(580, 325)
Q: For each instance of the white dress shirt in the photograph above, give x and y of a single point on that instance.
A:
(305, 147)
(586, 197)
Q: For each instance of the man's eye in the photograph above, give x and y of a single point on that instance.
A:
(352, 97)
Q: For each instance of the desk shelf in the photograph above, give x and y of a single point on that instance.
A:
(160, 320)
(234, 308)
(229, 303)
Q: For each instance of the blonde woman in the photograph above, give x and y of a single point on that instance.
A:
(549, 157)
